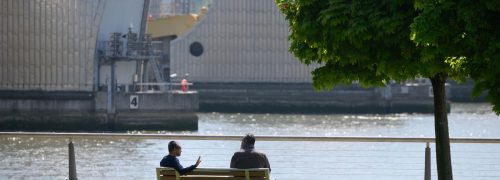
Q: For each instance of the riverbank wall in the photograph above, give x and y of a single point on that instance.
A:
(462, 92)
(84, 111)
(303, 98)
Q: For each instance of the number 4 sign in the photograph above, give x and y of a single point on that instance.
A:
(134, 102)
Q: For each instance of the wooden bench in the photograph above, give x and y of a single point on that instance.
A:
(164, 173)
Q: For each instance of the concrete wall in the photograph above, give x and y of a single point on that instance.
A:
(48, 45)
(50, 112)
(173, 101)
(243, 41)
(302, 98)
(170, 111)
(46, 106)
(165, 111)
(462, 92)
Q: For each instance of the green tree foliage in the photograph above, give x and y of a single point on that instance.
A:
(372, 42)
(376, 41)
(365, 41)
(466, 34)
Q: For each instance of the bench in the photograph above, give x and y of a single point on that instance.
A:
(165, 173)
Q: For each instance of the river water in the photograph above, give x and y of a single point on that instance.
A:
(115, 158)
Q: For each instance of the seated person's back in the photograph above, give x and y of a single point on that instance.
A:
(247, 157)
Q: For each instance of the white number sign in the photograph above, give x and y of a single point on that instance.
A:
(134, 102)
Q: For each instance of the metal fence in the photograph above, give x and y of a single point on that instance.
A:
(134, 156)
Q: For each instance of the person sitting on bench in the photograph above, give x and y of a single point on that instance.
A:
(170, 160)
(248, 157)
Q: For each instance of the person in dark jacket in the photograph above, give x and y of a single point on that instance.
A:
(170, 160)
(248, 157)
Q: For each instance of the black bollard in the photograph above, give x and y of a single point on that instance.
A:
(427, 173)
(72, 164)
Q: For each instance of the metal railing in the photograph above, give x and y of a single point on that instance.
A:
(260, 138)
(141, 49)
(162, 87)
(148, 87)
(383, 161)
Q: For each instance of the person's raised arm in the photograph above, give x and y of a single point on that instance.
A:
(182, 170)
(198, 161)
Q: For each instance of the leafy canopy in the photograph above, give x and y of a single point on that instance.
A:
(376, 41)
(467, 35)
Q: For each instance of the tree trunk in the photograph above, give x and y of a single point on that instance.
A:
(443, 153)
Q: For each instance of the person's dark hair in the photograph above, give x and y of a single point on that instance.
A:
(249, 139)
(172, 145)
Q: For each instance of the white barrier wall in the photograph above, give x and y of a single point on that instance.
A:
(48, 45)
(243, 41)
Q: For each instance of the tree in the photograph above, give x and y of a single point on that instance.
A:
(466, 34)
(374, 42)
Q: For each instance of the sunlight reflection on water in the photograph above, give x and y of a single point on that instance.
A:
(106, 158)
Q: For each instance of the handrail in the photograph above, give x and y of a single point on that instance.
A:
(161, 84)
(260, 138)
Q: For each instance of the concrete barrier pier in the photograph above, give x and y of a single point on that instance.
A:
(62, 111)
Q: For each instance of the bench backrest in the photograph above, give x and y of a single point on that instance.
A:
(214, 174)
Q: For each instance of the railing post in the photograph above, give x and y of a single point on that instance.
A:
(72, 164)
(247, 175)
(427, 174)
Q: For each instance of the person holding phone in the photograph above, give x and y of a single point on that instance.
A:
(170, 160)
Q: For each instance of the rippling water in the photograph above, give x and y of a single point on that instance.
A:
(465, 120)
(111, 158)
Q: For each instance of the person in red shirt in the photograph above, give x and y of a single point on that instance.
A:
(184, 84)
